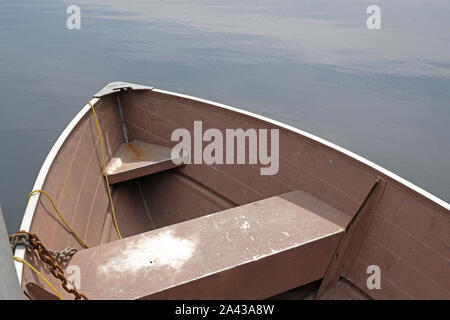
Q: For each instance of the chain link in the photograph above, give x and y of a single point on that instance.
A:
(63, 255)
(32, 242)
(20, 239)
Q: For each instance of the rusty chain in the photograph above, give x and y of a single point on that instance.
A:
(32, 242)
(63, 255)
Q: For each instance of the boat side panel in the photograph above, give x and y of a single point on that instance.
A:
(153, 117)
(410, 242)
(75, 183)
(132, 216)
(173, 197)
(422, 195)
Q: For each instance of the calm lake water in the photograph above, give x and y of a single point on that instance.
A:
(384, 94)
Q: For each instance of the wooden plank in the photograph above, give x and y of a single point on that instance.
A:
(351, 241)
(137, 159)
(249, 252)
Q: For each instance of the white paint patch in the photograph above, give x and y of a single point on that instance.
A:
(245, 225)
(113, 165)
(285, 233)
(162, 250)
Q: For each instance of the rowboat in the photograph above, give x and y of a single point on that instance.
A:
(142, 184)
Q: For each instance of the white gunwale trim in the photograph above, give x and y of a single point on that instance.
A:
(39, 183)
(31, 206)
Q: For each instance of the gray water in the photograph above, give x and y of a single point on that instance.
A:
(384, 94)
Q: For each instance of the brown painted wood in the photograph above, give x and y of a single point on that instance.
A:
(352, 239)
(137, 159)
(165, 191)
(409, 241)
(231, 254)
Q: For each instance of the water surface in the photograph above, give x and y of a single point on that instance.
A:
(384, 94)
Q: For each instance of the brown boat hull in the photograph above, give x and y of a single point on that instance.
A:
(396, 226)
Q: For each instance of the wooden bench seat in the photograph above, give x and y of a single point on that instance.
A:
(136, 159)
(252, 251)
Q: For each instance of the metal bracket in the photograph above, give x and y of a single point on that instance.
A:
(120, 86)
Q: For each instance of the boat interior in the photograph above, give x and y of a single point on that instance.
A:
(218, 231)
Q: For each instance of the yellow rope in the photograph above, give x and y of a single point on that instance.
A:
(104, 170)
(59, 215)
(39, 274)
